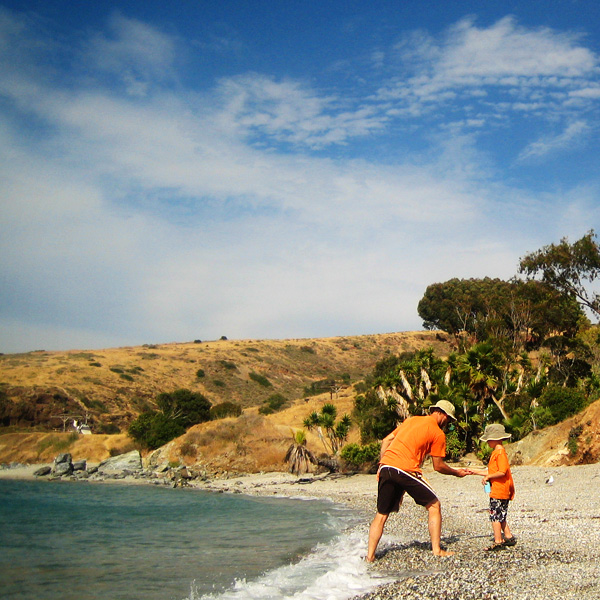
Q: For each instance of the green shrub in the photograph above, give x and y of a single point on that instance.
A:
(375, 418)
(108, 428)
(573, 442)
(225, 409)
(95, 364)
(116, 369)
(357, 455)
(228, 365)
(484, 453)
(562, 402)
(272, 404)
(219, 383)
(154, 429)
(200, 373)
(455, 447)
(126, 377)
(260, 379)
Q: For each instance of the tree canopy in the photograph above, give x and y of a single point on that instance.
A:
(566, 267)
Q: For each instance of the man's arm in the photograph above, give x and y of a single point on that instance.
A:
(385, 442)
(441, 467)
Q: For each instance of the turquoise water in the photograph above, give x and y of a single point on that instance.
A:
(76, 541)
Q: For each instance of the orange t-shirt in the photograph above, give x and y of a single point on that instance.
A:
(503, 488)
(414, 440)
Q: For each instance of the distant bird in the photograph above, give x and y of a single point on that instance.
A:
(550, 480)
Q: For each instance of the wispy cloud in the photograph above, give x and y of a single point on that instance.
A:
(492, 69)
(572, 134)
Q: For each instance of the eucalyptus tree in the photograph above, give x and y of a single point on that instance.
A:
(567, 267)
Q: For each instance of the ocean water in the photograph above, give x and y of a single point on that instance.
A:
(84, 541)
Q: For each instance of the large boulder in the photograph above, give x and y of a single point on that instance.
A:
(131, 461)
(79, 465)
(63, 468)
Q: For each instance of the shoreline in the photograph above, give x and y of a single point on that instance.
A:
(557, 526)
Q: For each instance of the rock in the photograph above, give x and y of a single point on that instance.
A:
(63, 468)
(63, 458)
(79, 465)
(42, 471)
(131, 461)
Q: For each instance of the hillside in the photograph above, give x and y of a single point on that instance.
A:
(112, 386)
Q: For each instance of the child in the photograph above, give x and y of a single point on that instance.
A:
(502, 485)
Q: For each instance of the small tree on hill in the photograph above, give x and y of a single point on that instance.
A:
(336, 432)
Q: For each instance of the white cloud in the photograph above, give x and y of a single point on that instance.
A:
(573, 134)
(133, 51)
(494, 62)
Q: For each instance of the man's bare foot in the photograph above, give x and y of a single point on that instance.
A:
(443, 553)
(369, 560)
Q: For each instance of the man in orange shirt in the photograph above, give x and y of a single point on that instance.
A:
(402, 454)
(502, 488)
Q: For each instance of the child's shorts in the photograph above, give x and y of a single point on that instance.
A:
(498, 509)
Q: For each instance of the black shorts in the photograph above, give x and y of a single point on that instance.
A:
(392, 485)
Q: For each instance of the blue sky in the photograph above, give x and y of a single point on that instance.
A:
(181, 171)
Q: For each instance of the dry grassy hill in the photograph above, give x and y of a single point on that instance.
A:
(113, 386)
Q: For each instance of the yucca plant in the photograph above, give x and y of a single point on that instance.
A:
(298, 456)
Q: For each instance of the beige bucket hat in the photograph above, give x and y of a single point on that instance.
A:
(494, 431)
(446, 407)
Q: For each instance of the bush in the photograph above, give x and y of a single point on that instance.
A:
(357, 456)
(374, 418)
(108, 428)
(573, 442)
(562, 402)
(272, 404)
(455, 447)
(260, 379)
(154, 429)
(185, 406)
(228, 365)
(200, 373)
(225, 409)
(484, 453)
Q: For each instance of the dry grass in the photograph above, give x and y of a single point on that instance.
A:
(114, 385)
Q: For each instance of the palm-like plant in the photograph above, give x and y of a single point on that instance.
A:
(298, 456)
(337, 432)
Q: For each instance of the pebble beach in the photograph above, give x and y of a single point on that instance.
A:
(555, 518)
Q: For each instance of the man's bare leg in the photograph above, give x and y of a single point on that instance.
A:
(375, 533)
(435, 528)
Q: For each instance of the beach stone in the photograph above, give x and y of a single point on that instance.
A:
(42, 471)
(63, 458)
(131, 461)
(79, 465)
(63, 468)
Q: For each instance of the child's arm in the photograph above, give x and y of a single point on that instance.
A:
(482, 472)
(496, 475)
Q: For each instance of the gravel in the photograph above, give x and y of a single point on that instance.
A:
(556, 524)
